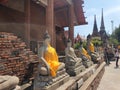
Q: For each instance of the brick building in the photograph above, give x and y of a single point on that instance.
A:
(29, 19)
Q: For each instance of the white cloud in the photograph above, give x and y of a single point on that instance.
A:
(112, 10)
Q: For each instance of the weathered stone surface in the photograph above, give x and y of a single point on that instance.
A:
(55, 84)
(76, 70)
(78, 80)
(8, 82)
(93, 81)
(2, 67)
(15, 58)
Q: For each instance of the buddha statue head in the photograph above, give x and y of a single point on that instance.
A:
(89, 37)
(47, 38)
(81, 43)
(69, 43)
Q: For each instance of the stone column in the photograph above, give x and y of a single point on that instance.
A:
(71, 23)
(27, 22)
(50, 21)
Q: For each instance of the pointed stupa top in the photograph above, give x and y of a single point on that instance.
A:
(102, 27)
(95, 29)
(103, 33)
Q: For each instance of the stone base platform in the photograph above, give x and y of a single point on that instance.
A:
(85, 80)
(76, 71)
(57, 82)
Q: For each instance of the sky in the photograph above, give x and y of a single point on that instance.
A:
(111, 12)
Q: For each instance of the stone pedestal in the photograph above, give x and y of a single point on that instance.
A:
(49, 83)
(74, 67)
(76, 71)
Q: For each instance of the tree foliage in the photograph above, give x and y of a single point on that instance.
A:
(115, 36)
(77, 45)
(97, 42)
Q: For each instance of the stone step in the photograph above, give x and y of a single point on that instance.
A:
(76, 82)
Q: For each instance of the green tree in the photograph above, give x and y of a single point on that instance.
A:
(115, 36)
(117, 33)
(97, 42)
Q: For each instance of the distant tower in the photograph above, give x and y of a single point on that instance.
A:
(102, 27)
(95, 29)
(103, 34)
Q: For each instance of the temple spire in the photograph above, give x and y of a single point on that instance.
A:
(95, 29)
(103, 34)
(102, 27)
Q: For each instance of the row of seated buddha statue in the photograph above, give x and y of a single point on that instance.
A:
(51, 72)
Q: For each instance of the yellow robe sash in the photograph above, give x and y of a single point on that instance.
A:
(84, 52)
(52, 59)
(91, 47)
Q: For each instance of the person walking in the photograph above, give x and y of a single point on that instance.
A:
(106, 56)
(117, 54)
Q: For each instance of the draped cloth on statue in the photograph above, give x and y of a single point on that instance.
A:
(91, 47)
(52, 59)
(84, 52)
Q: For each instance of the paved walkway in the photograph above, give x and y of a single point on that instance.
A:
(111, 78)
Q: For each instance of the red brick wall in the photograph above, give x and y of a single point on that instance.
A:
(12, 21)
(15, 59)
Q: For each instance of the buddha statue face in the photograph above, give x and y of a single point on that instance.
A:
(69, 43)
(89, 38)
(47, 41)
(47, 38)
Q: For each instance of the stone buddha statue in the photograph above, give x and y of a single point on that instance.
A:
(9, 83)
(83, 52)
(49, 65)
(72, 61)
(85, 56)
(91, 50)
